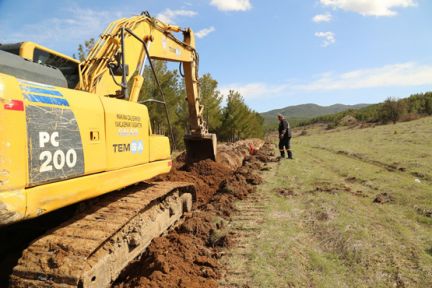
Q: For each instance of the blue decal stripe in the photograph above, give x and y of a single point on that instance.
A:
(41, 90)
(46, 100)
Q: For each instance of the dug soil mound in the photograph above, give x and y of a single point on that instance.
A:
(206, 175)
(188, 255)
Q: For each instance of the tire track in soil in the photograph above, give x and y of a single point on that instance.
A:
(367, 184)
(347, 179)
(385, 166)
(370, 189)
(245, 225)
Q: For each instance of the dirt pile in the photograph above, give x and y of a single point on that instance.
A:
(188, 256)
(233, 154)
(383, 198)
(348, 120)
(331, 188)
(424, 211)
(206, 175)
(286, 192)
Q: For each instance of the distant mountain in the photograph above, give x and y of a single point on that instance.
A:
(306, 111)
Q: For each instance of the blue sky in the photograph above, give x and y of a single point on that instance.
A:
(275, 53)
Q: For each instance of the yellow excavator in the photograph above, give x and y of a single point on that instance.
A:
(72, 131)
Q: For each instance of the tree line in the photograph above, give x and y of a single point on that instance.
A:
(392, 110)
(231, 121)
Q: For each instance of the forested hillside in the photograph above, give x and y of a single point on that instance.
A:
(300, 113)
(391, 110)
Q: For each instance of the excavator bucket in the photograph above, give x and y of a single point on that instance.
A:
(200, 147)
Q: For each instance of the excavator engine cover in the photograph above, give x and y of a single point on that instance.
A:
(200, 147)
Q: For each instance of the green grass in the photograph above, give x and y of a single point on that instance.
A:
(404, 146)
(331, 233)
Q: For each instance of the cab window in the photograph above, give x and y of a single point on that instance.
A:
(67, 67)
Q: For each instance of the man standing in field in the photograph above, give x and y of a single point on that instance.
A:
(284, 137)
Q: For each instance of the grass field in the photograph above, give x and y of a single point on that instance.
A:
(354, 209)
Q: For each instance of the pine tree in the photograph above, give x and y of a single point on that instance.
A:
(428, 104)
(211, 99)
(83, 50)
(169, 82)
(239, 121)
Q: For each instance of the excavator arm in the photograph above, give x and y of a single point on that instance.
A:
(119, 57)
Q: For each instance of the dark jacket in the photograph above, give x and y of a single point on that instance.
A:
(284, 128)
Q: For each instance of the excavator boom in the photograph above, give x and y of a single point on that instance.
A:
(119, 57)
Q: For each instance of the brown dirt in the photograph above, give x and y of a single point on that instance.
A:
(383, 198)
(348, 120)
(332, 188)
(188, 255)
(335, 188)
(286, 192)
(424, 211)
(205, 175)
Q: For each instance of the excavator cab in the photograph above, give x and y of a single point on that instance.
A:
(33, 52)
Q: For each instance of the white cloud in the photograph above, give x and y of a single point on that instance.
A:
(322, 18)
(64, 33)
(403, 74)
(168, 16)
(369, 7)
(395, 75)
(204, 32)
(254, 90)
(328, 38)
(79, 25)
(232, 5)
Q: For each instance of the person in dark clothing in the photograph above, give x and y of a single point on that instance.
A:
(284, 137)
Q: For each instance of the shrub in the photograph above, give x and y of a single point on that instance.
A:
(391, 110)
(331, 126)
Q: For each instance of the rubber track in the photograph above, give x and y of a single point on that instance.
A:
(61, 257)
